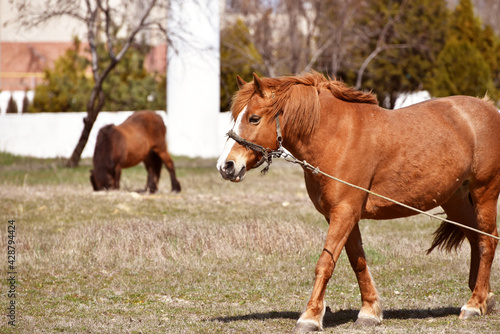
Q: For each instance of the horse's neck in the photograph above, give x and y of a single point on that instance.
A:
(313, 148)
(306, 153)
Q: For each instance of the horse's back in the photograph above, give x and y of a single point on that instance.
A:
(456, 120)
(474, 122)
(144, 123)
(142, 131)
(430, 149)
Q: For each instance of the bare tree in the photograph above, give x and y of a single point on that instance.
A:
(293, 35)
(382, 44)
(332, 32)
(104, 20)
(293, 11)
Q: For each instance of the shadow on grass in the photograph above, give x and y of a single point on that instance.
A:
(259, 316)
(333, 319)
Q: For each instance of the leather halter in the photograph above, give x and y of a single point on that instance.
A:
(267, 153)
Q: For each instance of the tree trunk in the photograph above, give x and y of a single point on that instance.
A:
(88, 122)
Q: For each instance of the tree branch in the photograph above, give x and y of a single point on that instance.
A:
(91, 36)
(134, 32)
(381, 45)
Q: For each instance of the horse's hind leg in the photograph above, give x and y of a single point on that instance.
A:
(371, 313)
(480, 215)
(459, 208)
(153, 166)
(482, 252)
(167, 160)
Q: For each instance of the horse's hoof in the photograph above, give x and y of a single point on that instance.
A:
(467, 314)
(303, 327)
(490, 302)
(367, 321)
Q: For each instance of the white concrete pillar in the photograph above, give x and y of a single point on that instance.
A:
(193, 86)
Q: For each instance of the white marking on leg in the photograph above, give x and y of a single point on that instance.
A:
(230, 142)
(317, 323)
(471, 309)
(310, 321)
(375, 311)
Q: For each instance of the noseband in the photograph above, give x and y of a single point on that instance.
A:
(267, 153)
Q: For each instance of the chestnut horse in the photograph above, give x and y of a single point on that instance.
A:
(140, 138)
(443, 152)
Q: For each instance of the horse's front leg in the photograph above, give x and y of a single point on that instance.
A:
(342, 221)
(116, 178)
(371, 312)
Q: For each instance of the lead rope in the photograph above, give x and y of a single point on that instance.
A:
(315, 170)
(268, 155)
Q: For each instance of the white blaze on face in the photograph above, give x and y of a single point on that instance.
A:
(230, 142)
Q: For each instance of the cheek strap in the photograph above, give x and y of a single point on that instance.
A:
(267, 154)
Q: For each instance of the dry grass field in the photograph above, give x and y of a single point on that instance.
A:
(216, 258)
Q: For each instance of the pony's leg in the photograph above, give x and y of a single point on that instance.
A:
(371, 312)
(117, 176)
(169, 164)
(153, 166)
(342, 221)
(482, 254)
(459, 208)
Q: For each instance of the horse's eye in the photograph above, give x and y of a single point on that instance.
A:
(254, 119)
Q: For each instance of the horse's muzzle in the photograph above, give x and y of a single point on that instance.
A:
(231, 172)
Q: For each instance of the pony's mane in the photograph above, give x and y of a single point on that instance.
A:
(297, 97)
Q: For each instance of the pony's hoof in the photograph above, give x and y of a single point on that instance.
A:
(490, 302)
(303, 327)
(467, 314)
(367, 321)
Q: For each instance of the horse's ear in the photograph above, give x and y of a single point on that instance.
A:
(240, 82)
(259, 86)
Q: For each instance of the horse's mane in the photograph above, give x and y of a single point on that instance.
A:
(297, 97)
(102, 154)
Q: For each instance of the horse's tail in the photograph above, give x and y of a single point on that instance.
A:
(448, 236)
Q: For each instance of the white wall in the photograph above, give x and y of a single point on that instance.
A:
(50, 135)
(408, 99)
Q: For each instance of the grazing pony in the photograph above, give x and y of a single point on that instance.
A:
(443, 152)
(140, 138)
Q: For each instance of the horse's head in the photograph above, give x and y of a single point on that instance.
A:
(101, 180)
(102, 176)
(255, 122)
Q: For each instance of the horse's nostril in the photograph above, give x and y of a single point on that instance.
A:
(229, 167)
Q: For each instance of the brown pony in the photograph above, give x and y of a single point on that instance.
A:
(140, 138)
(443, 152)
